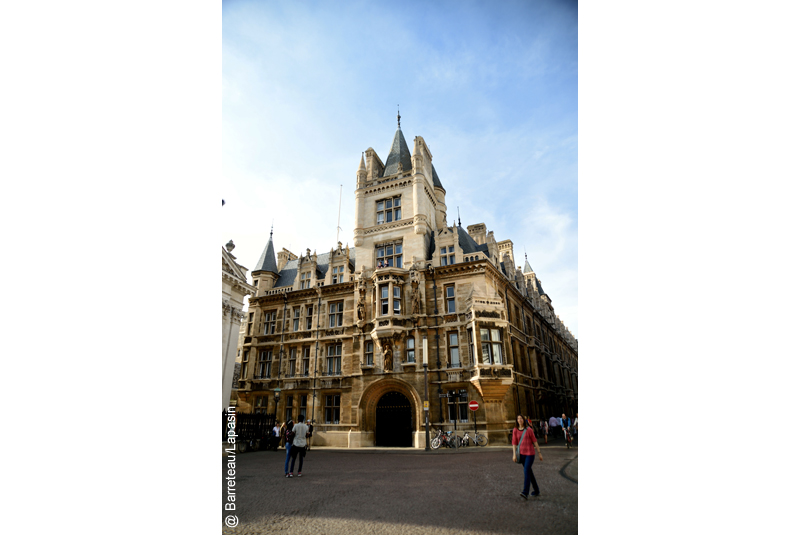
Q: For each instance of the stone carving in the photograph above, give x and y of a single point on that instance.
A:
(361, 311)
(388, 359)
(414, 298)
(485, 314)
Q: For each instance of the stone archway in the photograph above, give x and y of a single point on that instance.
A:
(393, 427)
(368, 405)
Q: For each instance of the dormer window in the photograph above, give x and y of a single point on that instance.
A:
(443, 252)
(338, 274)
(305, 280)
(389, 210)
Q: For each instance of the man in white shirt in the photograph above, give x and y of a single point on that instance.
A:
(276, 436)
(299, 446)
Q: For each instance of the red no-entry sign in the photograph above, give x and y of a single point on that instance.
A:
(473, 405)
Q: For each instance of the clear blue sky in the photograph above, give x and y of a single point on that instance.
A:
(492, 87)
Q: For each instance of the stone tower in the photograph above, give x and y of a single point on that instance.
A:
(401, 203)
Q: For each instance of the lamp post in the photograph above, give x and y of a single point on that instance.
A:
(425, 407)
(277, 398)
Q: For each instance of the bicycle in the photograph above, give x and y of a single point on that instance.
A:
(446, 438)
(478, 439)
(436, 440)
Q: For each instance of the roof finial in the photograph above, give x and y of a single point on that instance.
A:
(459, 215)
(398, 116)
(270, 229)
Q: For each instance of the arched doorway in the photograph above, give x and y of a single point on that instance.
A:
(393, 421)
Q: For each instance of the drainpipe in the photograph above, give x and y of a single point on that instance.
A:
(511, 343)
(283, 330)
(316, 355)
(438, 361)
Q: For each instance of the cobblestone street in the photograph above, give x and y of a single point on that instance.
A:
(404, 491)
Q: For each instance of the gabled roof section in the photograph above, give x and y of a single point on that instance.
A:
(289, 272)
(399, 153)
(230, 266)
(267, 261)
(436, 182)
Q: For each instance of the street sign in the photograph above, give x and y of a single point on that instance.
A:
(473, 405)
(425, 405)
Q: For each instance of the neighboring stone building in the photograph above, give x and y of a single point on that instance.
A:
(341, 337)
(234, 289)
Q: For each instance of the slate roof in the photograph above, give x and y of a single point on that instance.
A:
(465, 241)
(267, 261)
(436, 182)
(539, 286)
(527, 268)
(398, 153)
(289, 272)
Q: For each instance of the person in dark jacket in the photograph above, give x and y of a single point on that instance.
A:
(310, 434)
(288, 436)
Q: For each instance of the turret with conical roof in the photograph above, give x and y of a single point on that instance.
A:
(266, 271)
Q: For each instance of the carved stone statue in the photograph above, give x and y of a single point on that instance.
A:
(360, 311)
(414, 299)
(388, 359)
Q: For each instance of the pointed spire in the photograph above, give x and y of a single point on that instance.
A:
(267, 261)
(361, 165)
(527, 268)
(399, 155)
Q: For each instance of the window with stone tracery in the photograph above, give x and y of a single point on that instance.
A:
(389, 255)
(368, 352)
(269, 323)
(388, 210)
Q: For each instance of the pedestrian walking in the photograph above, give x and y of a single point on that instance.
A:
(575, 426)
(299, 446)
(310, 425)
(546, 431)
(288, 436)
(565, 423)
(525, 446)
(276, 437)
(282, 434)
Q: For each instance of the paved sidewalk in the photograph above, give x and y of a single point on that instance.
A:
(402, 491)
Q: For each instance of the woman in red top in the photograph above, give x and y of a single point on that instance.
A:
(528, 445)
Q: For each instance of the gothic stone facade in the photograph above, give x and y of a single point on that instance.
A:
(339, 337)
(234, 290)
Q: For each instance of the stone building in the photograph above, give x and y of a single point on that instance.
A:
(234, 290)
(339, 335)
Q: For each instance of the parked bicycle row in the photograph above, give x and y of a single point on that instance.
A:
(450, 439)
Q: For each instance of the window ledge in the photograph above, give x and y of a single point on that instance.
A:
(408, 363)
